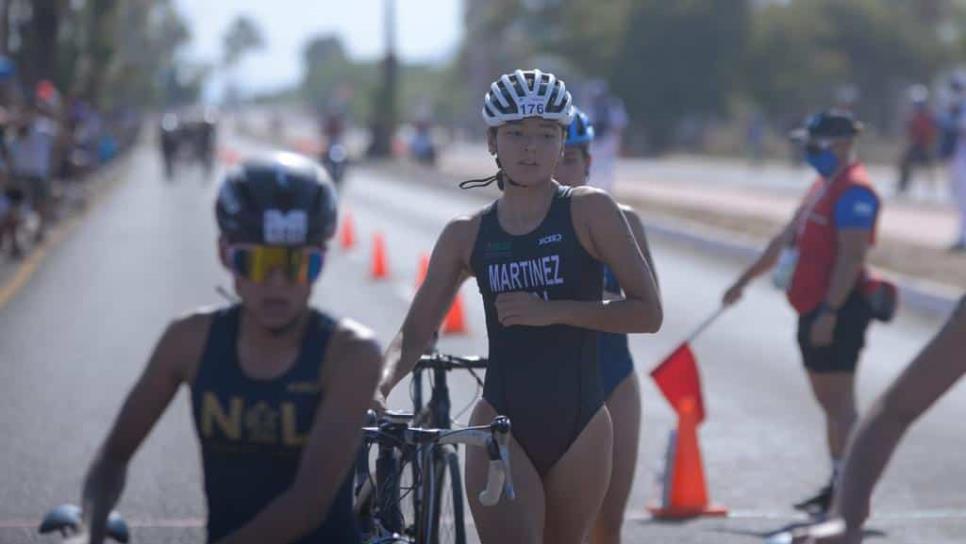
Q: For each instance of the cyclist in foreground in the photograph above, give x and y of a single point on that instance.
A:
(536, 253)
(279, 390)
(622, 393)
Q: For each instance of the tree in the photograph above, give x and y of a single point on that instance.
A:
(679, 59)
(100, 46)
(801, 52)
(241, 38)
(87, 46)
(496, 41)
(587, 33)
(35, 27)
(327, 71)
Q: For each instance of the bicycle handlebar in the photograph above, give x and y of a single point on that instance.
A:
(498, 477)
(450, 362)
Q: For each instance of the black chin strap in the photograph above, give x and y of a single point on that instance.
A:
(481, 182)
(499, 177)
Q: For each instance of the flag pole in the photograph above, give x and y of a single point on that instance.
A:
(706, 323)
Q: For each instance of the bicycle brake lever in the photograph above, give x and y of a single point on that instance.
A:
(499, 480)
(503, 443)
(495, 479)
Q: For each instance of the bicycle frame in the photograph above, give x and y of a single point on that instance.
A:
(439, 402)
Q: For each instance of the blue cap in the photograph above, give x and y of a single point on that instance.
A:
(580, 131)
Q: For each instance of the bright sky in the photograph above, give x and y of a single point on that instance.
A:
(427, 30)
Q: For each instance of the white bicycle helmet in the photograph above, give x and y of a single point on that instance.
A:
(529, 93)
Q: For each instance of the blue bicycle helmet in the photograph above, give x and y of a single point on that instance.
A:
(580, 131)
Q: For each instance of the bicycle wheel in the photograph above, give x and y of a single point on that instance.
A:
(443, 521)
(382, 504)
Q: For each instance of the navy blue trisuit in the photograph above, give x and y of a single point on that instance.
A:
(545, 379)
(253, 431)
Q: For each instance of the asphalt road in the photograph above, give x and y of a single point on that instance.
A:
(74, 339)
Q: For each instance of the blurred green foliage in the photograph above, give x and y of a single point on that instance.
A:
(678, 65)
(697, 62)
(110, 52)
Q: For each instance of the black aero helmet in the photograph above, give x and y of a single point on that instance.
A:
(279, 199)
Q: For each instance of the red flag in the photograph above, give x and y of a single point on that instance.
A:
(677, 377)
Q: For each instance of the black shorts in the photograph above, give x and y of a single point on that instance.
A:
(847, 341)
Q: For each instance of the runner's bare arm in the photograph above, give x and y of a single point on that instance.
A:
(178, 349)
(637, 229)
(349, 378)
(604, 233)
(769, 257)
(448, 268)
(937, 367)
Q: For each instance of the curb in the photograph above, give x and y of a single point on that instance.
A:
(920, 295)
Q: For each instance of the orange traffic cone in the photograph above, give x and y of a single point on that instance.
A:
(347, 238)
(685, 494)
(229, 156)
(422, 270)
(454, 322)
(306, 146)
(380, 269)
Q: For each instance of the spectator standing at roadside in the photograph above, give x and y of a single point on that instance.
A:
(953, 148)
(921, 133)
(11, 200)
(755, 129)
(31, 161)
(609, 119)
(821, 264)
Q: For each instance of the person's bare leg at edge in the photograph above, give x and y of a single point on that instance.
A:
(575, 486)
(519, 521)
(624, 406)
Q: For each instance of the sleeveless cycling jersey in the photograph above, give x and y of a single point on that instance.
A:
(545, 379)
(616, 363)
(252, 431)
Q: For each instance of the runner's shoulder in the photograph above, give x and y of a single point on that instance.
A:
(463, 229)
(629, 212)
(183, 342)
(593, 197)
(354, 348)
(635, 222)
(590, 203)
